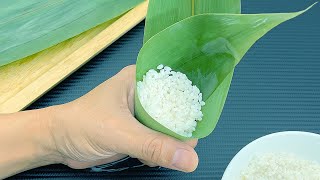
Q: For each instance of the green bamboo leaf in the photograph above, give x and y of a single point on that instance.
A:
(164, 13)
(27, 27)
(206, 48)
(217, 6)
(217, 100)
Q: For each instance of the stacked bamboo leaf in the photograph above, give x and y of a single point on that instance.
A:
(27, 27)
(205, 40)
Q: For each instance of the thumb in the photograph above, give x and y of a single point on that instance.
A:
(155, 147)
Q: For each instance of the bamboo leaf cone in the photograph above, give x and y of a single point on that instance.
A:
(206, 48)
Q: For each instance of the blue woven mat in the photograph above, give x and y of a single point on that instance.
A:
(275, 88)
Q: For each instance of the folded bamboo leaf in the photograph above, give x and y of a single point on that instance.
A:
(217, 6)
(217, 100)
(206, 48)
(27, 27)
(162, 14)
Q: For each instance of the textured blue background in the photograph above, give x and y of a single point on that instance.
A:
(275, 88)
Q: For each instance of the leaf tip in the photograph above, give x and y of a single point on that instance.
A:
(308, 7)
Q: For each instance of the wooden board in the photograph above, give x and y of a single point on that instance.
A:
(24, 81)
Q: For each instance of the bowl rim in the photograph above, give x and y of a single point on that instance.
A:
(262, 138)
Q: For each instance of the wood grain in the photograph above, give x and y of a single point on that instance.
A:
(24, 81)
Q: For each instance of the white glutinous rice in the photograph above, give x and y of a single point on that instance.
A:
(170, 98)
(281, 166)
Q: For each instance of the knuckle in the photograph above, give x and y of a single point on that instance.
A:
(193, 143)
(129, 69)
(152, 149)
(128, 73)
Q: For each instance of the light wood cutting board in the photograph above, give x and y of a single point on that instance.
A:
(24, 81)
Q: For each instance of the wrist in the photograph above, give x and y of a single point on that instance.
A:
(26, 142)
(45, 142)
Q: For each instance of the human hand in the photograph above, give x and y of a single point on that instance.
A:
(100, 127)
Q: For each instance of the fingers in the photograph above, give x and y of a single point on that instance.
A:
(156, 148)
(193, 142)
(148, 163)
(128, 75)
(82, 165)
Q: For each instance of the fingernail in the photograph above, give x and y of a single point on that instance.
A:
(181, 159)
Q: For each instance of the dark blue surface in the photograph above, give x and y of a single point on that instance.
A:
(275, 88)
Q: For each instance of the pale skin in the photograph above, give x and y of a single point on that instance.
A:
(95, 129)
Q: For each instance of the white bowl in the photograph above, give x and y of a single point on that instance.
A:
(303, 144)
